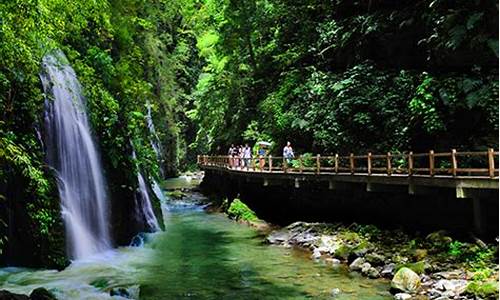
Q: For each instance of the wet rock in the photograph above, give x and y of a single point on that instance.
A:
(316, 253)
(369, 271)
(405, 280)
(278, 237)
(456, 286)
(304, 238)
(41, 294)
(357, 264)
(388, 270)
(425, 279)
(402, 296)
(6, 295)
(120, 292)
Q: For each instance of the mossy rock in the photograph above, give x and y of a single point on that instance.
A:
(343, 252)
(488, 290)
(240, 211)
(406, 280)
(418, 267)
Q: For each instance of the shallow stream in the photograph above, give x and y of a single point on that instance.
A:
(199, 256)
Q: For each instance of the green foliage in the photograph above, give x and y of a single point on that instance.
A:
(316, 85)
(240, 211)
(455, 248)
(423, 107)
(483, 290)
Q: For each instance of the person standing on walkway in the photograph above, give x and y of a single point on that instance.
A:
(230, 153)
(262, 155)
(288, 153)
(247, 155)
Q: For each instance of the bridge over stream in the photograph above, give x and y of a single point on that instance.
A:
(472, 176)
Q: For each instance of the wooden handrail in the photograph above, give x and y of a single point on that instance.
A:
(484, 163)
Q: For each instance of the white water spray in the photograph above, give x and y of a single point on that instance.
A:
(71, 151)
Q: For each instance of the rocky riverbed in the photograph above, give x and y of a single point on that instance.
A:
(419, 267)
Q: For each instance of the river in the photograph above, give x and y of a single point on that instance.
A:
(200, 255)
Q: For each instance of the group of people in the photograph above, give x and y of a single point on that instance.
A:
(241, 156)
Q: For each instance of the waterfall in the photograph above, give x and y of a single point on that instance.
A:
(155, 142)
(143, 208)
(158, 192)
(143, 205)
(72, 153)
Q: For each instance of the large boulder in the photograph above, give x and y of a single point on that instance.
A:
(406, 280)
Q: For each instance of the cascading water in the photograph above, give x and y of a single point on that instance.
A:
(155, 142)
(143, 207)
(71, 151)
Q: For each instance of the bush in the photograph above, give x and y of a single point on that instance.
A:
(483, 290)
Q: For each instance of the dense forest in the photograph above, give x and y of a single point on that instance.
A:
(328, 75)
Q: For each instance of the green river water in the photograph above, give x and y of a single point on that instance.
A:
(199, 256)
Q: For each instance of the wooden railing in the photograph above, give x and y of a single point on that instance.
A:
(451, 164)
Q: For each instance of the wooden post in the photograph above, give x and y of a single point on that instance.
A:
(336, 163)
(270, 163)
(351, 160)
(454, 162)
(431, 162)
(285, 165)
(491, 162)
(318, 164)
(301, 165)
(410, 163)
(389, 163)
(369, 163)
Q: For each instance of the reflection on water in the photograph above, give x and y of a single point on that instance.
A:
(198, 256)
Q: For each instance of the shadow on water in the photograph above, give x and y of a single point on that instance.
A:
(196, 259)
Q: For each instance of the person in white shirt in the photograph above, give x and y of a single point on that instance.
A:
(247, 155)
(288, 153)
